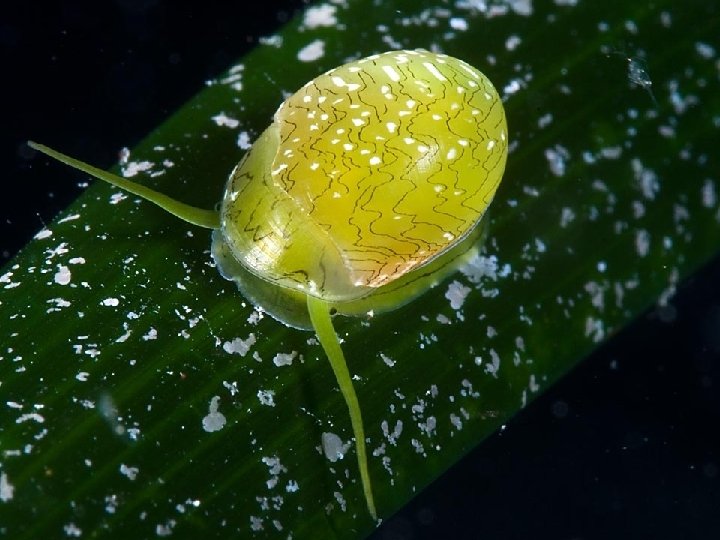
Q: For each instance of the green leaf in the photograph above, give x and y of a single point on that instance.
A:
(121, 346)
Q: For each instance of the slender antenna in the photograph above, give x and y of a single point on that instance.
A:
(210, 219)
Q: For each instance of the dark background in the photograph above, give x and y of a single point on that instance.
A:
(626, 446)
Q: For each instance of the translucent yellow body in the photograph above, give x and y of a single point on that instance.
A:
(367, 188)
(368, 172)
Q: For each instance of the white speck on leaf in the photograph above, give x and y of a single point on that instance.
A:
(266, 397)
(239, 346)
(642, 242)
(130, 472)
(133, 168)
(30, 416)
(243, 141)
(63, 276)
(458, 23)
(388, 361)
(284, 359)
(557, 158)
(322, 15)
(456, 293)
(223, 120)
(6, 488)
(275, 468)
(215, 420)
(333, 447)
(151, 334)
(42, 234)
(312, 51)
(72, 530)
(709, 196)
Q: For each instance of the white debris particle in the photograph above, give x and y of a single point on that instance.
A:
(388, 361)
(638, 209)
(82, 376)
(418, 446)
(333, 447)
(271, 41)
(322, 15)
(611, 152)
(533, 385)
(680, 102)
(642, 242)
(597, 294)
(467, 389)
(256, 523)
(456, 293)
(284, 359)
(275, 468)
(705, 50)
(243, 140)
(165, 529)
(481, 266)
(567, 216)
(222, 119)
(72, 530)
(42, 234)
(35, 417)
(60, 249)
(341, 501)
(428, 426)
(419, 407)
(111, 503)
(396, 432)
(545, 120)
(667, 131)
(58, 304)
(458, 23)
(77, 260)
(570, 3)
(110, 302)
(130, 472)
(215, 420)
(266, 397)
(151, 334)
(292, 486)
(239, 346)
(456, 421)
(709, 196)
(63, 275)
(124, 337)
(312, 51)
(512, 42)
(556, 158)
(512, 87)
(6, 488)
(116, 198)
(594, 329)
(135, 167)
(232, 387)
(647, 179)
(494, 365)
